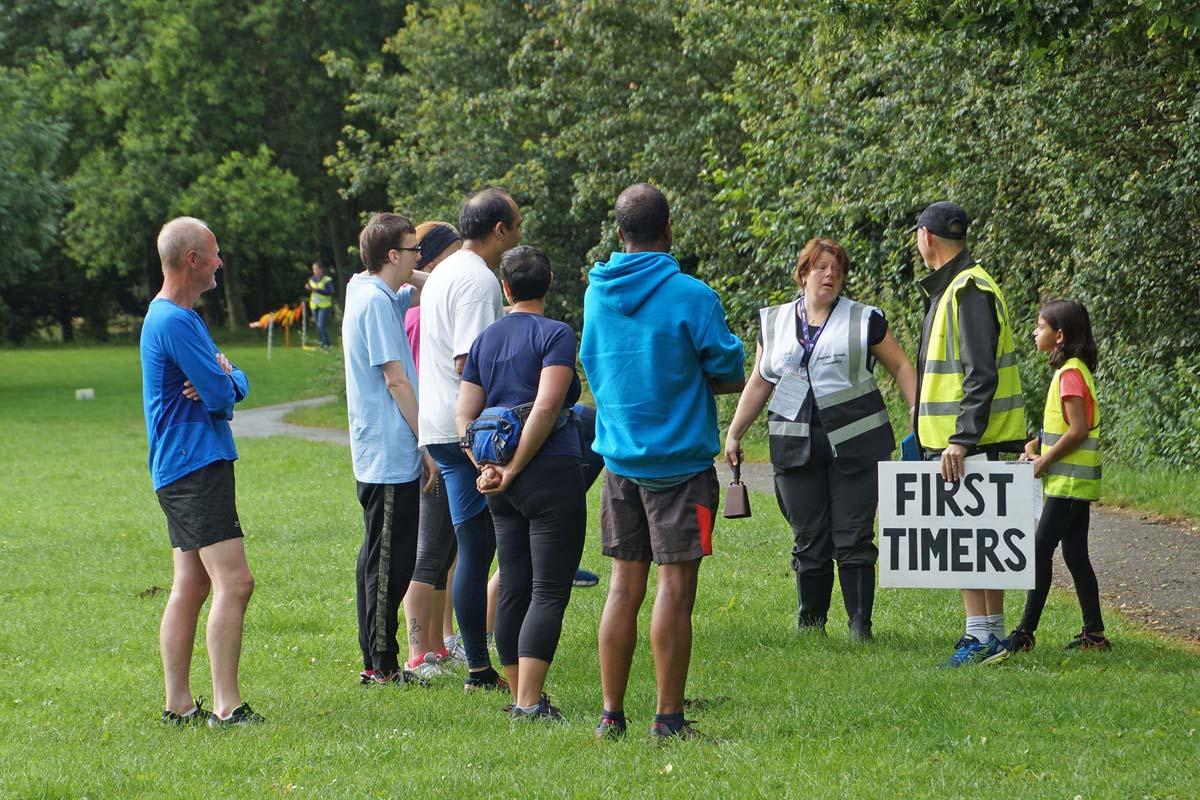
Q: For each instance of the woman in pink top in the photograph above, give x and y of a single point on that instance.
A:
(425, 606)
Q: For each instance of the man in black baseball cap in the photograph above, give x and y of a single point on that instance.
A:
(944, 219)
(969, 400)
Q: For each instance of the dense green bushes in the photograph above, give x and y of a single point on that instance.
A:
(1068, 130)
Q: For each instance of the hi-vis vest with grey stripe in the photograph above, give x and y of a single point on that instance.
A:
(839, 372)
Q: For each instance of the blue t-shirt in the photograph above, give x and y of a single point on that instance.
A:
(507, 361)
(383, 448)
(184, 434)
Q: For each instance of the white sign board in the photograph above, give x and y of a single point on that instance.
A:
(976, 533)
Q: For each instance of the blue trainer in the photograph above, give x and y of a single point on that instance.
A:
(585, 578)
(997, 650)
(969, 650)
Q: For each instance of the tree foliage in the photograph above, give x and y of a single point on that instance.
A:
(155, 96)
(1070, 129)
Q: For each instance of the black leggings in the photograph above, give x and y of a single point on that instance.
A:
(436, 543)
(1065, 520)
(539, 537)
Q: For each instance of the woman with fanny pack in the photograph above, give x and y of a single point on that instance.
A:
(828, 430)
(522, 369)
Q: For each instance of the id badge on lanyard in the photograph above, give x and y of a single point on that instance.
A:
(793, 386)
(789, 394)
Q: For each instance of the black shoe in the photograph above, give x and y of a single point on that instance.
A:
(487, 680)
(860, 631)
(1089, 641)
(813, 593)
(1021, 641)
(242, 715)
(660, 731)
(858, 594)
(401, 676)
(811, 627)
(196, 715)
(611, 728)
(543, 710)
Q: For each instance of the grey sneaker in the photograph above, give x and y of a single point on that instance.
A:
(543, 710)
(456, 654)
(430, 668)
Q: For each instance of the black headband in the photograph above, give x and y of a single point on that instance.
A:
(435, 240)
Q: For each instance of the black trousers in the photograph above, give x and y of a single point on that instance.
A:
(832, 515)
(1065, 520)
(540, 524)
(385, 567)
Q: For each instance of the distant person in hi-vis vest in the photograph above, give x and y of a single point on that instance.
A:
(969, 402)
(320, 300)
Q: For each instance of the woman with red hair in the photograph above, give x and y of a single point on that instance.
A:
(828, 430)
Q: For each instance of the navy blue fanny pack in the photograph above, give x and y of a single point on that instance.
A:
(493, 436)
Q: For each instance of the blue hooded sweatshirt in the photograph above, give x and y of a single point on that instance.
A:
(652, 340)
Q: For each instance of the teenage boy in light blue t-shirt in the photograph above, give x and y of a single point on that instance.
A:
(381, 404)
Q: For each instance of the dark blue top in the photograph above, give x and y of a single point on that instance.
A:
(185, 435)
(507, 361)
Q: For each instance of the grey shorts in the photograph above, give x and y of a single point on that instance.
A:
(200, 507)
(667, 527)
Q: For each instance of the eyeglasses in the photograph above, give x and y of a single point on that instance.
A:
(408, 249)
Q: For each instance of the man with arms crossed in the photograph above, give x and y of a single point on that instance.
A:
(969, 402)
(462, 297)
(656, 348)
(188, 393)
(381, 405)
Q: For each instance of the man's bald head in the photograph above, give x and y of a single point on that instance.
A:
(179, 236)
(643, 215)
(483, 211)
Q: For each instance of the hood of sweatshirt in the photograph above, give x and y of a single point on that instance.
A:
(628, 280)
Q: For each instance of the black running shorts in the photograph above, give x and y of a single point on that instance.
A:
(200, 507)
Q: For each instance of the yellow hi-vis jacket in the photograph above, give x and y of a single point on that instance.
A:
(943, 376)
(1077, 474)
(316, 299)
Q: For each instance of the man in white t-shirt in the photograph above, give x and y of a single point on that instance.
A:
(381, 403)
(460, 299)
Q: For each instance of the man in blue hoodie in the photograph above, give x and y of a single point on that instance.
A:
(656, 349)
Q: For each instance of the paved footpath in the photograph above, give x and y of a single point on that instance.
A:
(259, 423)
(1147, 568)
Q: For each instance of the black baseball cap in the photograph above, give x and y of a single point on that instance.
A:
(945, 219)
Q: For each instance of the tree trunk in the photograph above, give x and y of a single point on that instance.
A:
(65, 306)
(66, 318)
(235, 319)
(339, 258)
(153, 268)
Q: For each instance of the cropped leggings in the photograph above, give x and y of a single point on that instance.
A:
(540, 524)
(436, 544)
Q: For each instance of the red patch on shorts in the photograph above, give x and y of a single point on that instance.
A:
(704, 519)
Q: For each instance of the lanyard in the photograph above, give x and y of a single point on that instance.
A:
(808, 336)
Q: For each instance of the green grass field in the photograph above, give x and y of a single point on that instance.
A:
(84, 564)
